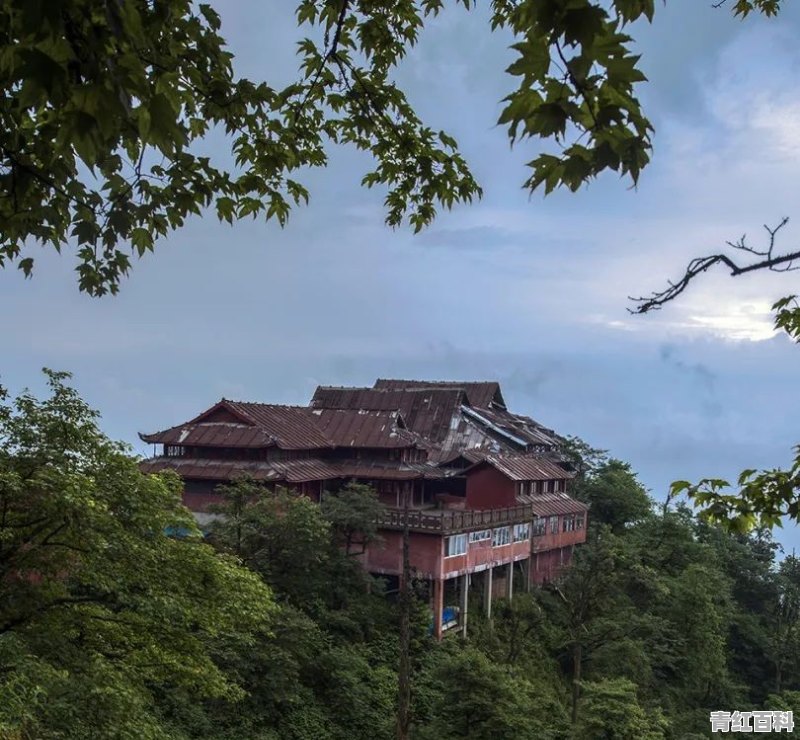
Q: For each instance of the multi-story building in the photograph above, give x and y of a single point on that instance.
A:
(481, 491)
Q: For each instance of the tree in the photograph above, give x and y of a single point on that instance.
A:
(280, 535)
(612, 711)
(105, 105)
(614, 494)
(784, 647)
(589, 607)
(102, 610)
(353, 513)
(480, 700)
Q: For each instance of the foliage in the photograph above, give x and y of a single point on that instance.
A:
(614, 494)
(353, 513)
(279, 535)
(101, 610)
(107, 105)
(110, 627)
(611, 710)
(478, 699)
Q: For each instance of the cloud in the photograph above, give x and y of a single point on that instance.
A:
(529, 290)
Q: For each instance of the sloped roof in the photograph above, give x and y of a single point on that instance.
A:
(362, 428)
(212, 434)
(287, 427)
(480, 393)
(551, 504)
(525, 467)
(290, 426)
(288, 471)
(427, 412)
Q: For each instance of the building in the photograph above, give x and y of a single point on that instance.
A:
(482, 491)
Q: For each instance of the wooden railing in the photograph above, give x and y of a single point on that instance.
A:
(448, 521)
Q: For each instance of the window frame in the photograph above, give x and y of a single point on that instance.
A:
(521, 532)
(453, 539)
(501, 533)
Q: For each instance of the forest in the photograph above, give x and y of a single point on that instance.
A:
(120, 619)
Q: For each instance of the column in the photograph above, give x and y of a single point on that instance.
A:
(464, 603)
(487, 592)
(510, 582)
(438, 604)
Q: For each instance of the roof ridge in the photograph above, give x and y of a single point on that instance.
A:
(270, 405)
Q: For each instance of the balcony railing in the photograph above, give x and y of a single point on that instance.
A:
(448, 521)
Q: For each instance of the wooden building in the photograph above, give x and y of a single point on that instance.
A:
(483, 491)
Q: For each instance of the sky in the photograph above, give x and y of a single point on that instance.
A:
(527, 290)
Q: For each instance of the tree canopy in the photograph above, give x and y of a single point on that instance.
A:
(117, 619)
(103, 609)
(105, 107)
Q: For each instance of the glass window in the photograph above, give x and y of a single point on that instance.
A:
(554, 524)
(579, 521)
(522, 532)
(484, 534)
(539, 526)
(455, 545)
(501, 536)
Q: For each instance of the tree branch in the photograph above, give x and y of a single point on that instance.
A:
(770, 261)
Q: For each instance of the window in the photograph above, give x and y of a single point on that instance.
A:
(522, 532)
(579, 521)
(569, 523)
(501, 536)
(554, 524)
(484, 534)
(455, 545)
(539, 526)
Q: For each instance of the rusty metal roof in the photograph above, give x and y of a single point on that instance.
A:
(551, 504)
(290, 428)
(481, 393)
(212, 434)
(363, 428)
(289, 471)
(525, 467)
(428, 412)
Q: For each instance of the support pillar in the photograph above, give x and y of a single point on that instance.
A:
(438, 605)
(487, 592)
(510, 582)
(464, 603)
(528, 569)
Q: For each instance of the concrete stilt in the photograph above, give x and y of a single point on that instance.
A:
(464, 603)
(487, 592)
(438, 605)
(510, 582)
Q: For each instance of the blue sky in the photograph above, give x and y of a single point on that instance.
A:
(527, 290)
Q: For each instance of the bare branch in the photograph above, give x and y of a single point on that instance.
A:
(770, 261)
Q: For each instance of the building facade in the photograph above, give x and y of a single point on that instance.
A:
(481, 491)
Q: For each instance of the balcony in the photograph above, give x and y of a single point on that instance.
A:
(443, 521)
